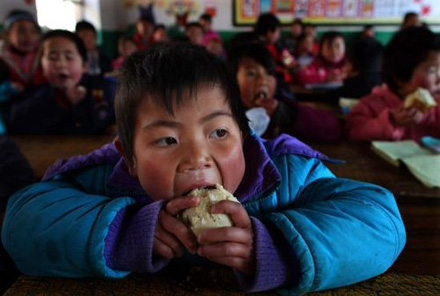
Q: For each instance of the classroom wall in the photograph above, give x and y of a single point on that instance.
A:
(112, 18)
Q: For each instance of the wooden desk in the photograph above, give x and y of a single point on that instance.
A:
(419, 205)
(200, 281)
(43, 151)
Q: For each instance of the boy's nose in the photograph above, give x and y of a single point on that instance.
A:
(196, 158)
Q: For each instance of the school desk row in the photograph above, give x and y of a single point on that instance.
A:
(419, 205)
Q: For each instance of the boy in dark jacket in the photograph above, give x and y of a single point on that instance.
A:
(72, 102)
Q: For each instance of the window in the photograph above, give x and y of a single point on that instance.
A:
(65, 16)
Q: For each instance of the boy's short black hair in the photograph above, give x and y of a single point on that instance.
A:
(406, 50)
(85, 25)
(266, 22)
(253, 50)
(79, 44)
(164, 73)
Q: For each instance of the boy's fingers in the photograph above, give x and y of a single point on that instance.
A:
(169, 241)
(226, 234)
(175, 206)
(181, 232)
(225, 250)
(236, 211)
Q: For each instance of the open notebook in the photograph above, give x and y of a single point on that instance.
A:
(422, 163)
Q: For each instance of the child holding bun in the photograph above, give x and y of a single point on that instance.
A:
(411, 68)
(182, 127)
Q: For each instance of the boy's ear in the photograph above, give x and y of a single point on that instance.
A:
(120, 148)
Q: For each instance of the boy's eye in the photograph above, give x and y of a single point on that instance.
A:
(219, 133)
(251, 73)
(166, 141)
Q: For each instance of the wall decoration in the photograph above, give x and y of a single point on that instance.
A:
(346, 12)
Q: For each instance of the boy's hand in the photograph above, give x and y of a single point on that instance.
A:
(231, 246)
(171, 234)
(406, 117)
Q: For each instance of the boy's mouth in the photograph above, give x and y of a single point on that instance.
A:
(211, 186)
(63, 76)
(260, 95)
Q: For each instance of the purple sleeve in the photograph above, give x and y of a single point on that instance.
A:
(275, 264)
(129, 242)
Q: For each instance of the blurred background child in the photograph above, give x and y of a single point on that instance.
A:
(194, 33)
(71, 102)
(160, 34)
(411, 60)
(98, 62)
(126, 46)
(331, 63)
(19, 53)
(255, 72)
(208, 33)
(143, 35)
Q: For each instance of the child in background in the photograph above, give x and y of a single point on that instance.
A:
(126, 47)
(208, 33)
(194, 33)
(181, 126)
(410, 19)
(291, 40)
(255, 72)
(303, 52)
(160, 34)
(410, 60)
(98, 62)
(71, 102)
(330, 65)
(19, 53)
(268, 30)
(144, 32)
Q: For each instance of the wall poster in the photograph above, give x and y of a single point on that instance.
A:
(378, 12)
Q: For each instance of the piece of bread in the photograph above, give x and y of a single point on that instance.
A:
(199, 218)
(420, 99)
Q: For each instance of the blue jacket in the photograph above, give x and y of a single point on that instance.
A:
(312, 231)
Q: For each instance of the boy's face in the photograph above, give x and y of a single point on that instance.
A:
(23, 35)
(195, 35)
(257, 87)
(427, 75)
(129, 48)
(62, 64)
(144, 28)
(334, 51)
(201, 145)
(89, 39)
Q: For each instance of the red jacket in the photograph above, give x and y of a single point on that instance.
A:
(370, 119)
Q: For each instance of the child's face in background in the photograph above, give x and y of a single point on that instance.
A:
(334, 51)
(89, 39)
(201, 145)
(23, 36)
(160, 35)
(257, 87)
(426, 75)
(62, 64)
(195, 35)
(144, 28)
(128, 48)
(306, 45)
